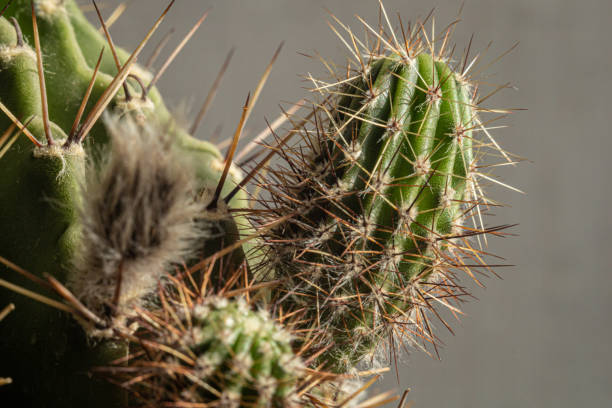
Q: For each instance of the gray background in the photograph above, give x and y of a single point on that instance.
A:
(540, 337)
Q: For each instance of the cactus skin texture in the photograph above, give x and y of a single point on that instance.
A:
(226, 355)
(72, 46)
(378, 195)
(44, 350)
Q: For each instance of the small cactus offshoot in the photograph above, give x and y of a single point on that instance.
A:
(218, 352)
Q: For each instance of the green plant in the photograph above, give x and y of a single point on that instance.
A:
(221, 351)
(139, 236)
(379, 200)
(57, 107)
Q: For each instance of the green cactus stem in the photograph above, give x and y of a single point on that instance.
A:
(44, 349)
(378, 193)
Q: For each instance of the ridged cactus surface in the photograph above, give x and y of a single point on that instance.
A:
(378, 192)
(405, 156)
(43, 349)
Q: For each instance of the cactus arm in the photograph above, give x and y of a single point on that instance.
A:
(387, 200)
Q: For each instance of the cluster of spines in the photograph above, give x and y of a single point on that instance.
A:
(209, 350)
(378, 190)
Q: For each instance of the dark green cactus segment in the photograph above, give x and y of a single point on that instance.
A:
(240, 358)
(39, 197)
(374, 202)
(45, 350)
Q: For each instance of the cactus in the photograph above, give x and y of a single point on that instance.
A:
(377, 194)
(39, 195)
(42, 181)
(134, 231)
(221, 353)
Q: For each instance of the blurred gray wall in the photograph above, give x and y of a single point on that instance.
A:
(541, 336)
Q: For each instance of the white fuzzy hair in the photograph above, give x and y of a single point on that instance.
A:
(137, 215)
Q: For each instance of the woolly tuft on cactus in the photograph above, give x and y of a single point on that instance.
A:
(139, 218)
